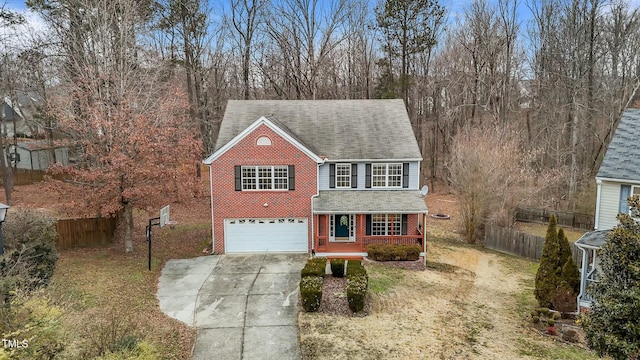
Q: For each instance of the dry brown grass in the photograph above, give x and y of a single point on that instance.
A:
(469, 304)
(94, 285)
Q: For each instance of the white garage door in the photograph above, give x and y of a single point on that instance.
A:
(266, 235)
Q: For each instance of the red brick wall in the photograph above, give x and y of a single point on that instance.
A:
(412, 224)
(228, 203)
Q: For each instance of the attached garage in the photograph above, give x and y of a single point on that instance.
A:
(266, 235)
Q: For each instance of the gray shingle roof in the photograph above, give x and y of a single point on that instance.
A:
(369, 201)
(622, 159)
(337, 129)
(593, 239)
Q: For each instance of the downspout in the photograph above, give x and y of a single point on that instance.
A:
(213, 241)
(598, 192)
(313, 227)
(424, 236)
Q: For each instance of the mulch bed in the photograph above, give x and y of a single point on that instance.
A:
(334, 294)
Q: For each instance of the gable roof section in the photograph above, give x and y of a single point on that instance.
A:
(622, 159)
(593, 239)
(273, 125)
(336, 129)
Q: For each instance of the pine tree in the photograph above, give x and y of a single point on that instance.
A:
(564, 252)
(548, 276)
(567, 269)
(612, 326)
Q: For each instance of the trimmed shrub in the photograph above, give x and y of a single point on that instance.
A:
(355, 268)
(551, 330)
(356, 292)
(535, 319)
(315, 267)
(551, 322)
(311, 292)
(388, 252)
(337, 267)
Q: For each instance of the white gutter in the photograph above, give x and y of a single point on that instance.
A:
(626, 181)
(313, 227)
(213, 238)
(374, 160)
(598, 194)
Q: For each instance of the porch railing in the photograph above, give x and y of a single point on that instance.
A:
(394, 240)
(591, 279)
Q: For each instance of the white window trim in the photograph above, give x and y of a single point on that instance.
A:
(387, 217)
(348, 166)
(332, 228)
(386, 175)
(272, 177)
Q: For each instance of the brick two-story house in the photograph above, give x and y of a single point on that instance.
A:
(323, 176)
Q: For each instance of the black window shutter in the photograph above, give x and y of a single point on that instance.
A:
(405, 175)
(367, 176)
(368, 230)
(403, 231)
(354, 175)
(332, 176)
(292, 177)
(238, 175)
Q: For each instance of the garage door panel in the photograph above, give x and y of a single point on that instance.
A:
(266, 235)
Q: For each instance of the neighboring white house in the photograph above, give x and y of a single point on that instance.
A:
(617, 179)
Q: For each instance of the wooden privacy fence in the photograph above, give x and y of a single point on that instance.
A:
(24, 176)
(515, 242)
(576, 221)
(85, 232)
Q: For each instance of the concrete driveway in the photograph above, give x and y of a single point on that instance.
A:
(244, 306)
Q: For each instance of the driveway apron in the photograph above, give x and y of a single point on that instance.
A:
(247, 308)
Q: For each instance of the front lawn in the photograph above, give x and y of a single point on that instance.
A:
(470, 303)
(106, 290)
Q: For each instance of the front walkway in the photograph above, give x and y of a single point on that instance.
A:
(244, 306)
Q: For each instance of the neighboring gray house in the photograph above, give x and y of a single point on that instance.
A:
(617, 179)
(18, 114)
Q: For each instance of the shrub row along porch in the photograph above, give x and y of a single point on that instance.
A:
(347, 222)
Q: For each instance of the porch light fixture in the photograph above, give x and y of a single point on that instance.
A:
(3, 215)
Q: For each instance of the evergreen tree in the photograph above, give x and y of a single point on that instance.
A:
(612, 327)
(567, 269)
(548, 276)
(564, 252)
(571, 276)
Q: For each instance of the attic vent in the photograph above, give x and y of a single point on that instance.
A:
(263, 141)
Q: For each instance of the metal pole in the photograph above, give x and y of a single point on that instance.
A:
(149, 241)
(1, 241)
(149, 236)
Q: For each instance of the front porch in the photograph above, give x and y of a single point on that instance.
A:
(352, 233)
(589, 243)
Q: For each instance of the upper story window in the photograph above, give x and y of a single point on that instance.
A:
(343, 175)
(386, 175)
(263, 141)
(627, 191)
(265, 177)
